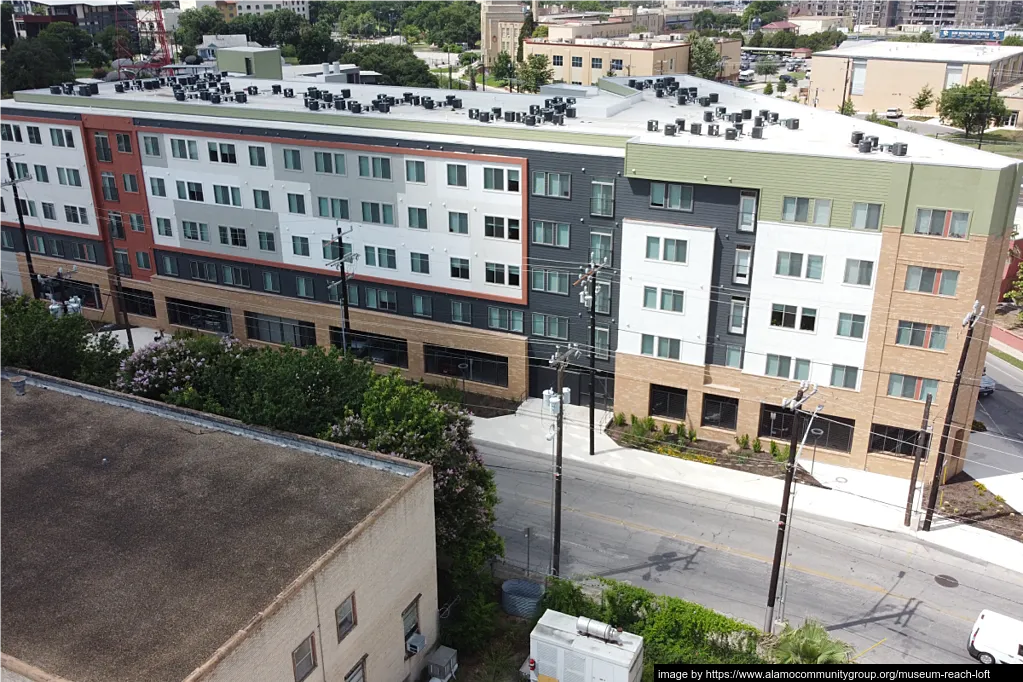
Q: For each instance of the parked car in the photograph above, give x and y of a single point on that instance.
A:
(987, 385)
(788, 79)
(893, 112)
(747, 76)
(996, 639)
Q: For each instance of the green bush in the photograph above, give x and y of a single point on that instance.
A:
(775, 450)
(783, 454)
(620, 419)
(757, 445)
(665, 430)
(448, 392)
(691, 435)
(742, 441)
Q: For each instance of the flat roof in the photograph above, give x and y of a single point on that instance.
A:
(922, 52)
(135, 543)
(247, 48)
(604, 119)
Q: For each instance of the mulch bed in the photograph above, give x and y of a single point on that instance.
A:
(724, 455)
(965, 500)
(479, 404)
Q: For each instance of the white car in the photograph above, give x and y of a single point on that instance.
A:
(996, 639)
(893, 112)
(987, 385)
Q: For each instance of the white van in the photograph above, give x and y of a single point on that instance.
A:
(747, 76)
(996, 639)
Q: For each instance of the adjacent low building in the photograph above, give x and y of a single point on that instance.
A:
(92, 16)
(876, 75)
(144, 542)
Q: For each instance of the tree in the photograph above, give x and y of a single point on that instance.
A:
(758, 9)
(528, 26)
(467, 58)
(315, 44)
(77, 40)
(926, 37)
(411, 33)
(186, 51)
(254, 26)
(541, 31)
(782, 86)
(363, 25)
(115, 41)
(704, 60)
(757, 39)
(1015, 294)
(193, 24)
(923, 99)
(97, 58)
(30, 64)
(703, 19)
(1012, 41)
(971, 107)
(534, 73)
(502, 68)
(766, 67)
(7, 34)
(470, 72)
(768, 89)
(847, 108)
(397, 64)
(457, 22)
(810, 644)
(285, 26)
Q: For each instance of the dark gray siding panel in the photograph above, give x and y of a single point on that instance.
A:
(67, 240)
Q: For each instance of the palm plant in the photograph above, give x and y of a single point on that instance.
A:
(810, 644)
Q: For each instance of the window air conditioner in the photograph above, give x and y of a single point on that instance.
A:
(415, 643)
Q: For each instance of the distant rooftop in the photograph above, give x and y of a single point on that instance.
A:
(136, 541)
(922, 52)
(606, 118)
(90, 3)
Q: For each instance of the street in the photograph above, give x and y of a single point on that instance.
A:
(871, 588)
(997, 455)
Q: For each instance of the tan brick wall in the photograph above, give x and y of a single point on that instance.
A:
(100, 275)
(387, 566)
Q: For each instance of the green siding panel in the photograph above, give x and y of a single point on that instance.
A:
(615, 88)
(989, 195)
(333, 119)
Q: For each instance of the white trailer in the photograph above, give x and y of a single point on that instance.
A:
(564, 648)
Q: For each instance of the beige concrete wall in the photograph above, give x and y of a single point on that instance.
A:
(635, 61)
(387, 563)
(618, 29)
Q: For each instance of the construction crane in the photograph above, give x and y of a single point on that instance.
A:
(148, 18)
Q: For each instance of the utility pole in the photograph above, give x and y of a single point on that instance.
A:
(343, 258)
(790, 471)
(919, 449)
(121, 312)
(589, 299)
(932, 498)
(987, 109)
(559, 360)
(13, 184)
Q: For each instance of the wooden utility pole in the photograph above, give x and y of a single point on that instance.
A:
(919, 449)
(589, 298)
(559, 360)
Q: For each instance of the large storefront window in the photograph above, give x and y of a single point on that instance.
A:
(483, 368)
(895, 440)
(669, 402)
(383, 350)
(281, 330)
(138, 302)
(210, 318)
(776, 423)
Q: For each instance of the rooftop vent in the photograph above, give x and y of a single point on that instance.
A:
(899, 148)
(651, 126)
(696, 128)
(570, 112)
(713, 97)
(747, 114)
(669, 129)
(713, 129)
(758, 132)
(856, 137)
(680, 124)
(865, 147)
(792, 123)
(731, 133)
(592, 628)
(708, 116)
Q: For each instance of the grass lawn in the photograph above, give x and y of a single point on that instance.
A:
(83, 71)
(495, 82)
(1004, 142)
(291, 60)
(1011, 359)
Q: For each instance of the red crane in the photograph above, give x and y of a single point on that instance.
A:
(149, 26)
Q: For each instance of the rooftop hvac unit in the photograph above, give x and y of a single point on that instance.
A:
(708, 116)
(873, 140)
(215, 98)
(456, 103)
(326, 95)
(442, 664)
(55, 89)
(900, 148)
(415, 644)
(118, 88)
(534, 109)
(651, 126)
(84, 91)
(179, 95)
(669, 129)
(428, 104)
(484, 117)
(773, 116)
(692, 93)
(204, 95)
(632, 83)
(509, 116)
(856, 137)
(713, 129)
(720, 111)
(764, 113)
(548, 115)
(659, 93)
(559, 119)
(865, 147)
(496, 112)
(562, 647)
(241, 97)
(704, 101)
(346, 93)
(416, 100)
(570, 100)
(570, 112)
(288, 92)
(356, 108)
(792, 123)
(680, 124)
(529, 120)
(93, 88)
(758, 121)
(696, 128)
(314, 105)
(735, 117)
(758, 132)
(253, 90)
(713, 97)
(681, 100)
(731, 134)
(747, 114)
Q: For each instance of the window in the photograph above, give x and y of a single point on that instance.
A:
(157, 187)
(21, 171)
(457, 175)
(814, 267)
(420, 263)
(672, 300)
(227, 196)
(130, 181)
(84, 252)
(669, 348)
(859, 77)
(600, 247)
(163, 227)
(103, 152)
(76, 214)
(381, 299)
(789, 264)
(940, 223)
(494, 273)
(747, 210)
(577, 62)
(331, 251)
(921, 335)
(57, 249)
(646, 345)
(896, 440)
(257, 156)
(851, 325)
(195, 231)
(296, 203)
(37, 244)
(797, 210)
(142, 259)
(124, 143)
(422, 306)
(493, 226)
(233, 236)
(122, 262)
(199, 315)
(552, 184)
(602, 343)
(381, 257)
(69, 176)
(33, 135)
(305, 287)
(778, 366)
(460, 268)
(190, 190)
(327, 162)
(551, 281)
(222, 152)
(282, 330)
(550, 326)
(42, 175)
(953, 75)
(271, 282)
(720, 412)
(11, 133)
(843, 376)
(8, 239)
(504, 319)
(61, 138)
(550, 233)
(777, 423)
(733, 356)
(859, 272)
(458, 223)
(267, 241)
(596, 63)
(115, 225)
(109, 183)
(482, 368)
(914, 388)
(669, 402)
(783, 316)
(293, 159)
(808, 319)
(184, 149)
(866, 216)
(300, 245)
(737, 315)
(461, 312)
(558, 60)
(671, 196)
(415, 171)
(151, 145)
(616, 65)
(28, 207)
(378, 167)
(493, 178)
(931, 280)
(743, 258)
(138, 302)
(381, 214)
(136, 222)
(417, 218)
(261, 199)
(513, 180)
(49, 211)
(344, 617)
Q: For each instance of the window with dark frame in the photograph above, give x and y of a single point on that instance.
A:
(838, 431)
(345, 617)
(666, 401)
(896, 440)
(303, 658)
(720, 412)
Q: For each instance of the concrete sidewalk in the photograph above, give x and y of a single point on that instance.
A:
(859, 497)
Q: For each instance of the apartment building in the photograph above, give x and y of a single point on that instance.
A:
(944, 13)
(882, 13)
(500, 22)
(93, 16)
(152, 543)
(876, 75)
(742, 256)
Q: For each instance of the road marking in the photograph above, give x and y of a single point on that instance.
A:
(750, 555)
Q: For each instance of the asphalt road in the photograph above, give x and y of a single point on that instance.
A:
(999, 451)
(871, 588)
